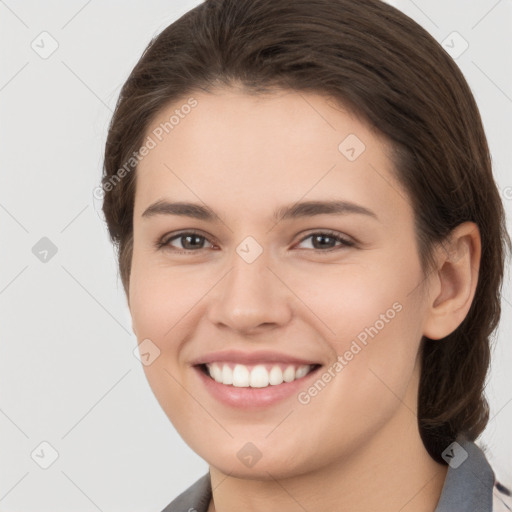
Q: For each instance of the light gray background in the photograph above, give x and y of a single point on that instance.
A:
(68, 375)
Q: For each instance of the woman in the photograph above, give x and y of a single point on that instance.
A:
(312, 246)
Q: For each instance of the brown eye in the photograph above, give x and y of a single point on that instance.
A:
(326, 240)
(188, 241)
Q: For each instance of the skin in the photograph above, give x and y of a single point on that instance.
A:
(356, 445)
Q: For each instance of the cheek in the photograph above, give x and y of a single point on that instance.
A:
(351, 300)
(165, 305)
(372, 322)
(158, 306)
(368, 382)
(161, 297)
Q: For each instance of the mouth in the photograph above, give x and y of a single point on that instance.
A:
(261, 375)
(254, 380)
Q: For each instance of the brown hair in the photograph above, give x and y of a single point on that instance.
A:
(388, 70)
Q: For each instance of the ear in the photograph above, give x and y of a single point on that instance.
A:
(453, 283)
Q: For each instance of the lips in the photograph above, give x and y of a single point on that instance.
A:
(251, 358)
(253, 398)
(268, 371)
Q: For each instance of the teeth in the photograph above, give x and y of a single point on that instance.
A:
(216, 373)
(257, 376)
(302, 371)
(227, 375)
(276, 376)
(289, 374)
(240, 376)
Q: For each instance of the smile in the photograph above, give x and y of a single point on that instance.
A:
(248, 386)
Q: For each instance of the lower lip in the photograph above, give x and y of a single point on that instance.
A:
(254, 397)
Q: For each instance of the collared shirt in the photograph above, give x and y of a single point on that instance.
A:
(470, 486)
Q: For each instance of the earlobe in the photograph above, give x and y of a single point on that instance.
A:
(454, 282)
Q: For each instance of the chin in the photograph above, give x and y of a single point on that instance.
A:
(250, 462)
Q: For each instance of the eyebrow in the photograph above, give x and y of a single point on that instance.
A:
(293, 211)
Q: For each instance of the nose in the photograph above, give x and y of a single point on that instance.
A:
(251, 297)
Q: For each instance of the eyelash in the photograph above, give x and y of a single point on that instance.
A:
(163, 243)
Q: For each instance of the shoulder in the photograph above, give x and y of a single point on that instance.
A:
(194, 499)
(501, 498)
(501, 492)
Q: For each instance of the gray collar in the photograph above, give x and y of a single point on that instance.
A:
(469, 481)
(468, 485)
(195, 499)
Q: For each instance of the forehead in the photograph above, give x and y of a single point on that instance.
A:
(271, 148)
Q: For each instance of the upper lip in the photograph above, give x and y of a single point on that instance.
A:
(260, 356)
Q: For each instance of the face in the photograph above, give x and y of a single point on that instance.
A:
(292, 277)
